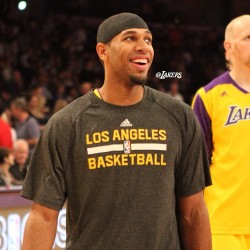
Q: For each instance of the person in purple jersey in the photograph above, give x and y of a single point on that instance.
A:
(129, 160)
(223, 110)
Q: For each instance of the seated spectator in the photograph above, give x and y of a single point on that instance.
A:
(38, 113)
(5, 130)
(59, 104)
(85, 87)
(174, 90)
(60, 100)
(26, 126)
(6, 160)
(42, 101)
(21, 153)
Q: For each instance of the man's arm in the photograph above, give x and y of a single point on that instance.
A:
(40, 229)
(194, 223)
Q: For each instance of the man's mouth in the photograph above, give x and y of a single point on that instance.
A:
(140, 61)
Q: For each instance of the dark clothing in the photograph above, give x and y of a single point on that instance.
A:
(2, 182)
(18, 172)
(121, 169)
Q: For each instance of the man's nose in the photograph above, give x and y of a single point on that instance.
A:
(141, 45)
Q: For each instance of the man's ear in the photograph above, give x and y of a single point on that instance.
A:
(227, 47)
(101, 50)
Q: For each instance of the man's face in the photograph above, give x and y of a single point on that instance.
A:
(130, 55)
(14, 111)
(21, 154)
(240, 45)
(10, 159)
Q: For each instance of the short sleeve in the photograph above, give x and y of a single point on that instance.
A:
(45, 182)
(192, 174)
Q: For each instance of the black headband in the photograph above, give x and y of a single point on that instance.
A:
(114, 25)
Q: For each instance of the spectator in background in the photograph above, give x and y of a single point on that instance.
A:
(5, 130)
(174, 90)
(84, 88)
(41, 100)
(21, 153)
(6, 160)
(35, 110)
(60, 100)
(59, 104)
(26, 126)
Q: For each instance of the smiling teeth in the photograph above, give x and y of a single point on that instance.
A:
(140, 61)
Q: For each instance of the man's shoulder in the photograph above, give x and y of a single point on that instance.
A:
(158, 96)
(73, 109)
(169, 104)
(32, 120)
(222, 79)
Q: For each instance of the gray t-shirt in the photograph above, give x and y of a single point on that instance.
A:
(28, 129)
(120, 169)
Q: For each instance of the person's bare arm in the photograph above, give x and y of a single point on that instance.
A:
(40, 229)
(194, 223)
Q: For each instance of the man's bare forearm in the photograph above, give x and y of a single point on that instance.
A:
(195, 231)
(40, 231)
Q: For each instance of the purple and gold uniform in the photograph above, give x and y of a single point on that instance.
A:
(223, 109)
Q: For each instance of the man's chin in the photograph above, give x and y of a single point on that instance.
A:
(140, 80)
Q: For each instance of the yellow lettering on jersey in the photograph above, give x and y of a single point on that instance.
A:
(163, 162)
(132, 159)
(101, 162)
(133, 134)
(88, 142)
(157, 162)
(139, 134)
(97, 137)
(124, 134)
(143, 134)
(124, 160)
(109, 160)
(92, 163)
(117, 160)
(149, 160)
(140, 159)
(116, 135)
(162, 135)
(155, 134)
(105, 136)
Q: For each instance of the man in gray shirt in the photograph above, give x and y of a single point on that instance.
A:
(130, 161)
(26, 126)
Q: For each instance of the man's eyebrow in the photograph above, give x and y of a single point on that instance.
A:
(132, 32)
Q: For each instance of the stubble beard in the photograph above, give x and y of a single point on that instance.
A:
(138, 80)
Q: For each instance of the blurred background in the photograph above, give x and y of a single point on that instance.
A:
(48, 58)
(47, 47)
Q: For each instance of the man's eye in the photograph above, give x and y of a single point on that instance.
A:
(148, 40)
(129, 38)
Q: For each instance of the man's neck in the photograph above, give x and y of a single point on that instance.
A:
(241, 76)
(122, 95)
